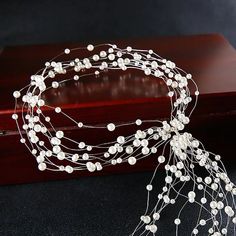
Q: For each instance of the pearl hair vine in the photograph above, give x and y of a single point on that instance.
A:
(212, 192)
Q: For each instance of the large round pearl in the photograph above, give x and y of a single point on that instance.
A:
(90, 166)
(42, 166)
(132, 160)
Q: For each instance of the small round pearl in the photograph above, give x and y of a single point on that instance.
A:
(145, 150)
(61, 156)
(81, 145)
(85, 156)
(161, 159)
(69, 169)
(156, 216)
(111, 127)
(132, 160)
(67, 51)
(149, 187)
(138, 122)
(16, 94)
(76, 77)
(75, 157)
(202, 222)
(90, 47)
(47, 119)
(14, 116)
(55, 84)
(57, 109)
(129, 49)
(42, 166)
(95, 57)
(60, 134)
(203, 200)
(121, 139)
(112, 150)
(80, 124)
(177, 221)
(90, 166)
(22, 140)
(191, 194)
(153, 228)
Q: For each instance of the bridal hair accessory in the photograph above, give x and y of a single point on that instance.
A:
(211, 190)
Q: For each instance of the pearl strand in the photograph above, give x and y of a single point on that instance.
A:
(47, 144)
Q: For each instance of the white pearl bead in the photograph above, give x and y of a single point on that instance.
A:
(129, 49)
(156, 216)
(61, 156)
(111, 127)
(149, 187)
(90, 47)
(55, 84)
(81, 145)
(67, 51)
(69, 169)
(55, 141)
(75, 157)
(57, 109)
(111, 57)
(153, 228)
(103, 54)
(121, 139)
(138, 122)
(76, 77)
(202, 222)
(203, 200)
(85, 156)
(14, 116)
(191, 194)
(177, 221)
(42, 166)
(132, 160)
(112, 150)
(234, 220)
(146, 219)
(129, 150)
(40, 159)
(161, 159)
(16, 94)
(80, 124)
(95, 57)
(168, 179)
(37, 128)
(90, 166)
(208, 180)
(56, 149)
(59, 134)
(145, 150)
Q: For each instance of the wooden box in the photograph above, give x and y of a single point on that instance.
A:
(122, 96)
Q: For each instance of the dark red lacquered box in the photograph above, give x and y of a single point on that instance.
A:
(122, 96)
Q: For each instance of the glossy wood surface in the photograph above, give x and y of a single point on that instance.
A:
(119, 96)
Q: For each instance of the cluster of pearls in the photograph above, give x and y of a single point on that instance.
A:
(47, 143)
